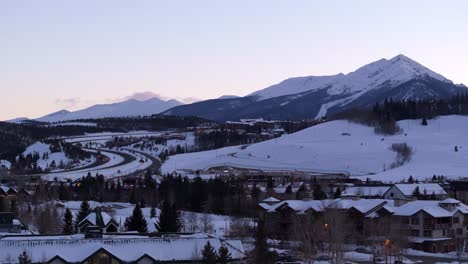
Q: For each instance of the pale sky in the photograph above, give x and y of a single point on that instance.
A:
(73, 54)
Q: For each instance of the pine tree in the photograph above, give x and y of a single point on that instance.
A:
(153, 212)
(424, 121)
(456, 149)
(337, 193)
(137, 221)
(261, 253)
(85, 210)
(416, 192)
(410, 179)
(223, 255)
(24, 258)
(68, 223)
(318, 194)
(208, 254)
(289, 189)
(169, 219)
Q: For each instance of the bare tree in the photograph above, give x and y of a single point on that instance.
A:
(205, 223)
(306, 231)
(336, 231)
(239, 227)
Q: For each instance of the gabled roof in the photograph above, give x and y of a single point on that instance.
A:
(408, 188)
(98, 218)
(362, 205)
(365, 191)
(432, 208)
(271, 200)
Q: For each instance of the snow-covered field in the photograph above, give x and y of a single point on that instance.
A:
(342, 146)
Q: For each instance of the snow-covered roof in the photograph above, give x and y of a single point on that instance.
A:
(92, 218)
(271, 200)
(450, 201)
(6, 189)
(365, 191)
(362, 205)
(5, 164)
(429, 188)
(433, 208)
(75, 248)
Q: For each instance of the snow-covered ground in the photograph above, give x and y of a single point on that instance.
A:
(342, 146)
(41, 149)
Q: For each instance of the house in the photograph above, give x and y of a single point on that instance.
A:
(408, 190)
(98, 218)
(429, 225)
(281, 219)
(7, 191)
(365, 192)
(9, 225)
(116, 248)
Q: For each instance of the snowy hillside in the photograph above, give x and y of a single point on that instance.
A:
(46, 158)
(341, 146)
(123, 109)
(396, 70)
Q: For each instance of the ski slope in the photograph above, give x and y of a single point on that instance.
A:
(342, 146)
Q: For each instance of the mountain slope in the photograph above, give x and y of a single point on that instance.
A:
(345, 147)
(317, 96)
(122, 109)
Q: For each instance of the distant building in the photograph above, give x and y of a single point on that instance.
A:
(367, 192)
(407, 190)
(115, 249)
(9, 225)
(99, 219)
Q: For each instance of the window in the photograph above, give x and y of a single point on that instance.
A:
(414, 232)
(427, 233)
(459, 231)
(415, 220)
(455, 220)
(391, 194)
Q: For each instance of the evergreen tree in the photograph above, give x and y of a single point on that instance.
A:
(289, 189)
(24, 258)
(337, 193)
(456, 149)
(169, 219)
(153, 212)
(85, 210)
(223, 255)
(261, 254)
(208, 254)
(424, 121)
(410, 179)
(434, 178)
(68, 223)
(318, 194)
(137, 221)
(417, 192)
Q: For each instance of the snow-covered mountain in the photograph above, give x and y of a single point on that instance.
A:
(122, 109)
(318, 96)
(394, 71)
